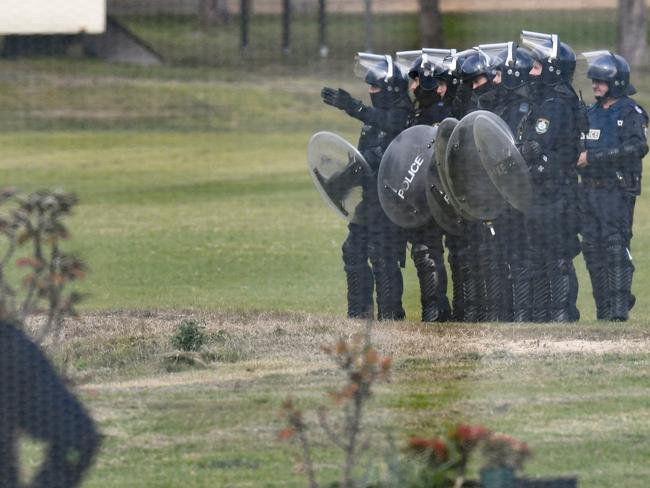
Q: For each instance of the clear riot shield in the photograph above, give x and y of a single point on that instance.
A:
(338, 170)
(441, 202)
(470, 186)
(401, 179)
(502, 161)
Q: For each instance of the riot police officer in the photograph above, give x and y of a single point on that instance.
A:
(377, 240)
(514, 108)
(464, 100)
(431, 106)
(550, 143)
(480, 250)
(480, 71)
(429, 87)
(610, 170)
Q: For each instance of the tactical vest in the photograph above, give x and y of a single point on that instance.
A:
(607, 130)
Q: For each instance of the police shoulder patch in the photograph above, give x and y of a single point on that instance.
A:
(541, 126)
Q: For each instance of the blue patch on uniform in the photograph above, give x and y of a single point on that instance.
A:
(523, 107)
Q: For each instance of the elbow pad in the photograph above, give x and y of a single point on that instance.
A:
(635, 150)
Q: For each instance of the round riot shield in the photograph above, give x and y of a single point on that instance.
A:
(504, 164)
(401, 179)
(338, 170)
(439, 203)
(445, 129)
(470, 185)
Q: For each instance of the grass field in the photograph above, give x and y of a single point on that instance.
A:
(196, 203)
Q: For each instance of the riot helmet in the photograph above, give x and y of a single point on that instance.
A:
(422, 70)
(611, 68)
(516, 63)
(557, 58)
(408, 61)
(379, 70)
(475, 65)
(454, 63)
(494, 52)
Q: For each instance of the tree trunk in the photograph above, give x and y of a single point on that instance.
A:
(632, 31)
(431, 23)
(213, 12)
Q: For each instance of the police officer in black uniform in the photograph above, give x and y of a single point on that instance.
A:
(464, 100)
(514, 108)
(610, 170)
(550, 143)
(432, 103)
(378, 240)
(34, 401)
(431, 106)
(464, 307)
(484, 265)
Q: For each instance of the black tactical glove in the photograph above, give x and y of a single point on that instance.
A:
(531, 151)
(340, 99)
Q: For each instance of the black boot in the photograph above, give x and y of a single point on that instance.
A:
(389, 287)
(358, 273)
(457, 299)
(619, 272)
(522, 291)
(360, 288)
(559, 275)
(496, 285)
(540, 292)
(435, 305)
(596, 260)
(472, 287)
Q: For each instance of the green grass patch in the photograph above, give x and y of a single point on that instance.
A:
(579, 403)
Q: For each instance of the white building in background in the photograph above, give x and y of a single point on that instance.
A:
(52, 16)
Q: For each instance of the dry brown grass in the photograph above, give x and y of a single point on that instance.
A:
(560, 387)
(296, 336)
(273, 343)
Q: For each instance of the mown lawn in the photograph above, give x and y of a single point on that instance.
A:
(577, 394)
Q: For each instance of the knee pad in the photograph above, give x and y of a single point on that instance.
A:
(354, 251)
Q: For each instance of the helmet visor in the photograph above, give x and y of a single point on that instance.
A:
(495, 53)
(455, 61)
(600, 64)
(375, 69)
(542, 45)
(406, 59)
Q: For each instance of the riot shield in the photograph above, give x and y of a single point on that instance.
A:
(445, 129)
(470, 186)
(438, 200)
(401, 179)
(502, 161)
(338, 170)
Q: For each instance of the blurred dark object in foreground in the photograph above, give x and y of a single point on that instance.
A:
(35, 402)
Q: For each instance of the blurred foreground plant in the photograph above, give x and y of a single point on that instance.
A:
(436, 462)
(363, 367)
(35, 272)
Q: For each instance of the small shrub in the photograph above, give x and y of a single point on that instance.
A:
(36, 274)
(189, 336)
